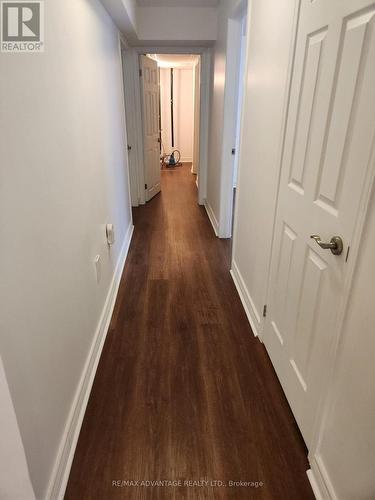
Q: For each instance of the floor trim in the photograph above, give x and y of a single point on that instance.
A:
(61, 470)
(314, 484)
(212, 217)
(247, 303)
(319, 479)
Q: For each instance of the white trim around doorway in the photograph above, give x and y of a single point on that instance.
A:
(131, 65)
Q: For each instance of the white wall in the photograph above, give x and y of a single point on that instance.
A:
(193, 25)
(163, 24)
(270, 36)
(124, 13)
(63, 176)
(226, 9)
(183, 111)
(230, 111)
(346, 455)
(165, 108)
(132, 10)
(15, 482)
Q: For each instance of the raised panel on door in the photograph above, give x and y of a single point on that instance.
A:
(343, 115)
(305, 108)
(308, 312)
(287, 247)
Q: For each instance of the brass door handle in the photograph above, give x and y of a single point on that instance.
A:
(335, 245)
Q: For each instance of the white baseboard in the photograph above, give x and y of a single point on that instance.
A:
(319, 489)
(319, 479)
(250, 309)
(61, 470)
(186, 159)
(212, 217)
(314, 484)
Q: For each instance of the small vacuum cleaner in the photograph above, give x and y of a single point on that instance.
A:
(172, 160)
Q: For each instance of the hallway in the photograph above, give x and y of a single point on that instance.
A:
(184, 391)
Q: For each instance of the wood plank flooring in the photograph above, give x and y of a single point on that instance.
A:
(184, 391)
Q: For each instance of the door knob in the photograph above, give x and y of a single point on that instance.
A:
(335, 245)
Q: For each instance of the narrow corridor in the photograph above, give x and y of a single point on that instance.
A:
(184, 391)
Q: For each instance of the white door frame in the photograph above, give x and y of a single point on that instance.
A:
(205, 54)
(232, 74)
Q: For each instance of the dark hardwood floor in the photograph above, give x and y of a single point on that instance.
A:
(184, 391)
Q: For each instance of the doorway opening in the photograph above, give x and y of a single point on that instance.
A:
(165, 98)
(172, 114)
(179, 106)
(233, 102)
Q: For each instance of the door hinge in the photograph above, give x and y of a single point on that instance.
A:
(264, 310)
(140, 72)
(146, 186)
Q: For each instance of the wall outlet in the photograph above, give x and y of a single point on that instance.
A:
(110, 233)
(98, 268)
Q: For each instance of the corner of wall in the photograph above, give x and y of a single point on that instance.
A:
(212, 217)
(252, 314)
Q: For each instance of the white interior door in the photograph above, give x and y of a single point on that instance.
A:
(150, 119)
(329, 138)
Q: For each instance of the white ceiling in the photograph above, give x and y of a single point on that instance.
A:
(175, 60)
(178, 3)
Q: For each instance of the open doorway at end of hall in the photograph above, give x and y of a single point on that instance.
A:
(168, 101)
(179, 109)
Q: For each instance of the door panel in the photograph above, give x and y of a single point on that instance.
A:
(308, 313)
(329, 138)
(312, 59)
(150, 118)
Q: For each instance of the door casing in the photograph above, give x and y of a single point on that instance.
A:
(205, 80)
